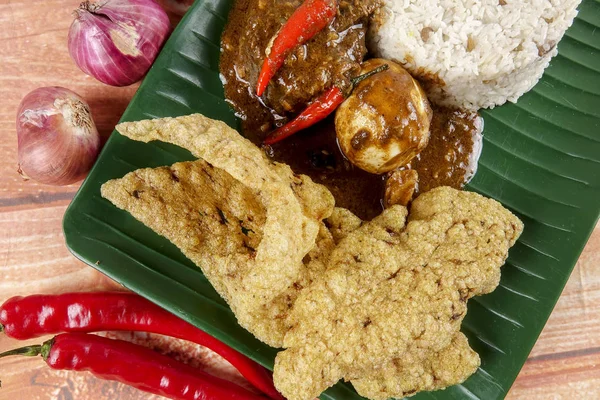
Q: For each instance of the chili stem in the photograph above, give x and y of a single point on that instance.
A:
(355, 81)
(319, 109)
(29, 351)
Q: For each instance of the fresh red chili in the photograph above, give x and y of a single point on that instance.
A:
(308, 20)
(37, 315)
(319, 109)
(133, 365)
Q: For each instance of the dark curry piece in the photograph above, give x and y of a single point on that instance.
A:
(332, 57)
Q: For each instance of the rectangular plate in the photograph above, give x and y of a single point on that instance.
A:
(541, 159)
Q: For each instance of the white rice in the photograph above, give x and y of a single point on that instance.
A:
(484, 53)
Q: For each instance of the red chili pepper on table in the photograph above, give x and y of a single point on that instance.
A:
(319, 109)
(34, 316)
(133, 365)
(308, 20)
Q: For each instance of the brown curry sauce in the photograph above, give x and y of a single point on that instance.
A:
(331, 57)
(450, 158)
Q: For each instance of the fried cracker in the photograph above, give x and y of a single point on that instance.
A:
(341, 222)
(214, 219)
(275, 313)
(295, 205)
(421, 370)
(390, 289)
(258, 270)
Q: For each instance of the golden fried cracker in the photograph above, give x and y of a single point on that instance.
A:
(214, 219)
(294, 204)
(421, 370)
(259, 270)
(341, 222)
(388, 289)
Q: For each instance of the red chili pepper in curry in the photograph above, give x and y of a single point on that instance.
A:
(308, 20)
(133, 365)
(319, 109)
(37, 315)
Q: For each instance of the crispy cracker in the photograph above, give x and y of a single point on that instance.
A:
(421, 370)
(275, 313)
(215, 220)
(389, 288)
(256, 270)
(295, 204)
(341, 222)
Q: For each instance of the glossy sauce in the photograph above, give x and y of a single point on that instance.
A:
(332, 57)
(315, 152)
(450, 158)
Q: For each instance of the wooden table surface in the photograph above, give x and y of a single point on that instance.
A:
(565, 362)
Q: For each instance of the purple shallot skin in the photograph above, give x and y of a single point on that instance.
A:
(117, 41)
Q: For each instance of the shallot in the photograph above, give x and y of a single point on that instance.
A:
(58, 140)
(116, 41)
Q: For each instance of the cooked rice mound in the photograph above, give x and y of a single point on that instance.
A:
(473, 54)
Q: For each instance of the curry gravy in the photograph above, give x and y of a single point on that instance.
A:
(332, 57)
(450, 158)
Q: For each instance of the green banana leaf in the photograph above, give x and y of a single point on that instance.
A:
(541, 159)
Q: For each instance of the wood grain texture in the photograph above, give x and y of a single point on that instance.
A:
(565, 362)
(33, 45)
